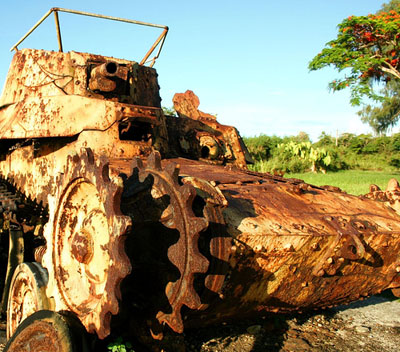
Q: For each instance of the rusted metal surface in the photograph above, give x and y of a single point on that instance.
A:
(297, 247)
(215, 239)
(197, 135)
(177, 215)
(39, 336)
(27, 294)
(105, 77)
(84, 243)
(160, 215)
(47, 331)
(41, 91)
(391, 196)
(156, 44)
(186, 104)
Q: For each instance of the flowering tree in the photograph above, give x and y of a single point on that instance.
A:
(367, 50)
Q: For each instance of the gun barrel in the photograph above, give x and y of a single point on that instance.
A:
(100, 76)
(108, 69)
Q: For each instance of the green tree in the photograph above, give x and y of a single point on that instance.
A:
(385, 116)
(325, 140)
(367, 51)
(382, 118)
(392, 5)
(302, 137)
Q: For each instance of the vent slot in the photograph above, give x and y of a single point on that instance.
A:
(135, 131)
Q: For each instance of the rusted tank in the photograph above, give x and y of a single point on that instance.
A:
(120, 217)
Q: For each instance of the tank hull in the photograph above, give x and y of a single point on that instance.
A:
(294, 246)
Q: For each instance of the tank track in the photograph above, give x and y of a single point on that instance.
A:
(21, 212)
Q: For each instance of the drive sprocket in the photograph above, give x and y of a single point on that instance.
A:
(84, 254)
(184, 254)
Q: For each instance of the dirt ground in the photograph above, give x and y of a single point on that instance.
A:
(369, 325)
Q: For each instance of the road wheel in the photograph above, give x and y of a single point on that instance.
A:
(27, 294)
(47, 331)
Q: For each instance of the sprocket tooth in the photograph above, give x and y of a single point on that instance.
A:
(192, 300)
(172, 319)
(201, 266)
(167, 217)
(188, 194)
(137, 163)
(198, 263)
(198, 224)
(154, 161)
(173, 170)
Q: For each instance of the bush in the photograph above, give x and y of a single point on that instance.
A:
(345, 139)
(358, 143)
(363, 152)
(262, 147)
(119, 345)
(325, 140)
(337, 162)
(286, 161)
(395, 162)
(376, 145)
(395, 143)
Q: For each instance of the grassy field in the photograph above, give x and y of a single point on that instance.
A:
(352, 181)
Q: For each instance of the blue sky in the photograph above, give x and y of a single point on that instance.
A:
(246, 60)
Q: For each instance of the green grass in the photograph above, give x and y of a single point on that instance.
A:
(352, 181)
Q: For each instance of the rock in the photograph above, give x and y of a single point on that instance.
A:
(370, 327)
(362, 329)
(292, 333)
(297, 344)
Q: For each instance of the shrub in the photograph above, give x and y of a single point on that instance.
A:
(119, 345)
(395, 162)
(325, 140)
(395, 143)
(376, 145)
(262, 147)
(318, 158)
(345, 139)
(363, 152)
(337, 163)
(358, 143)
